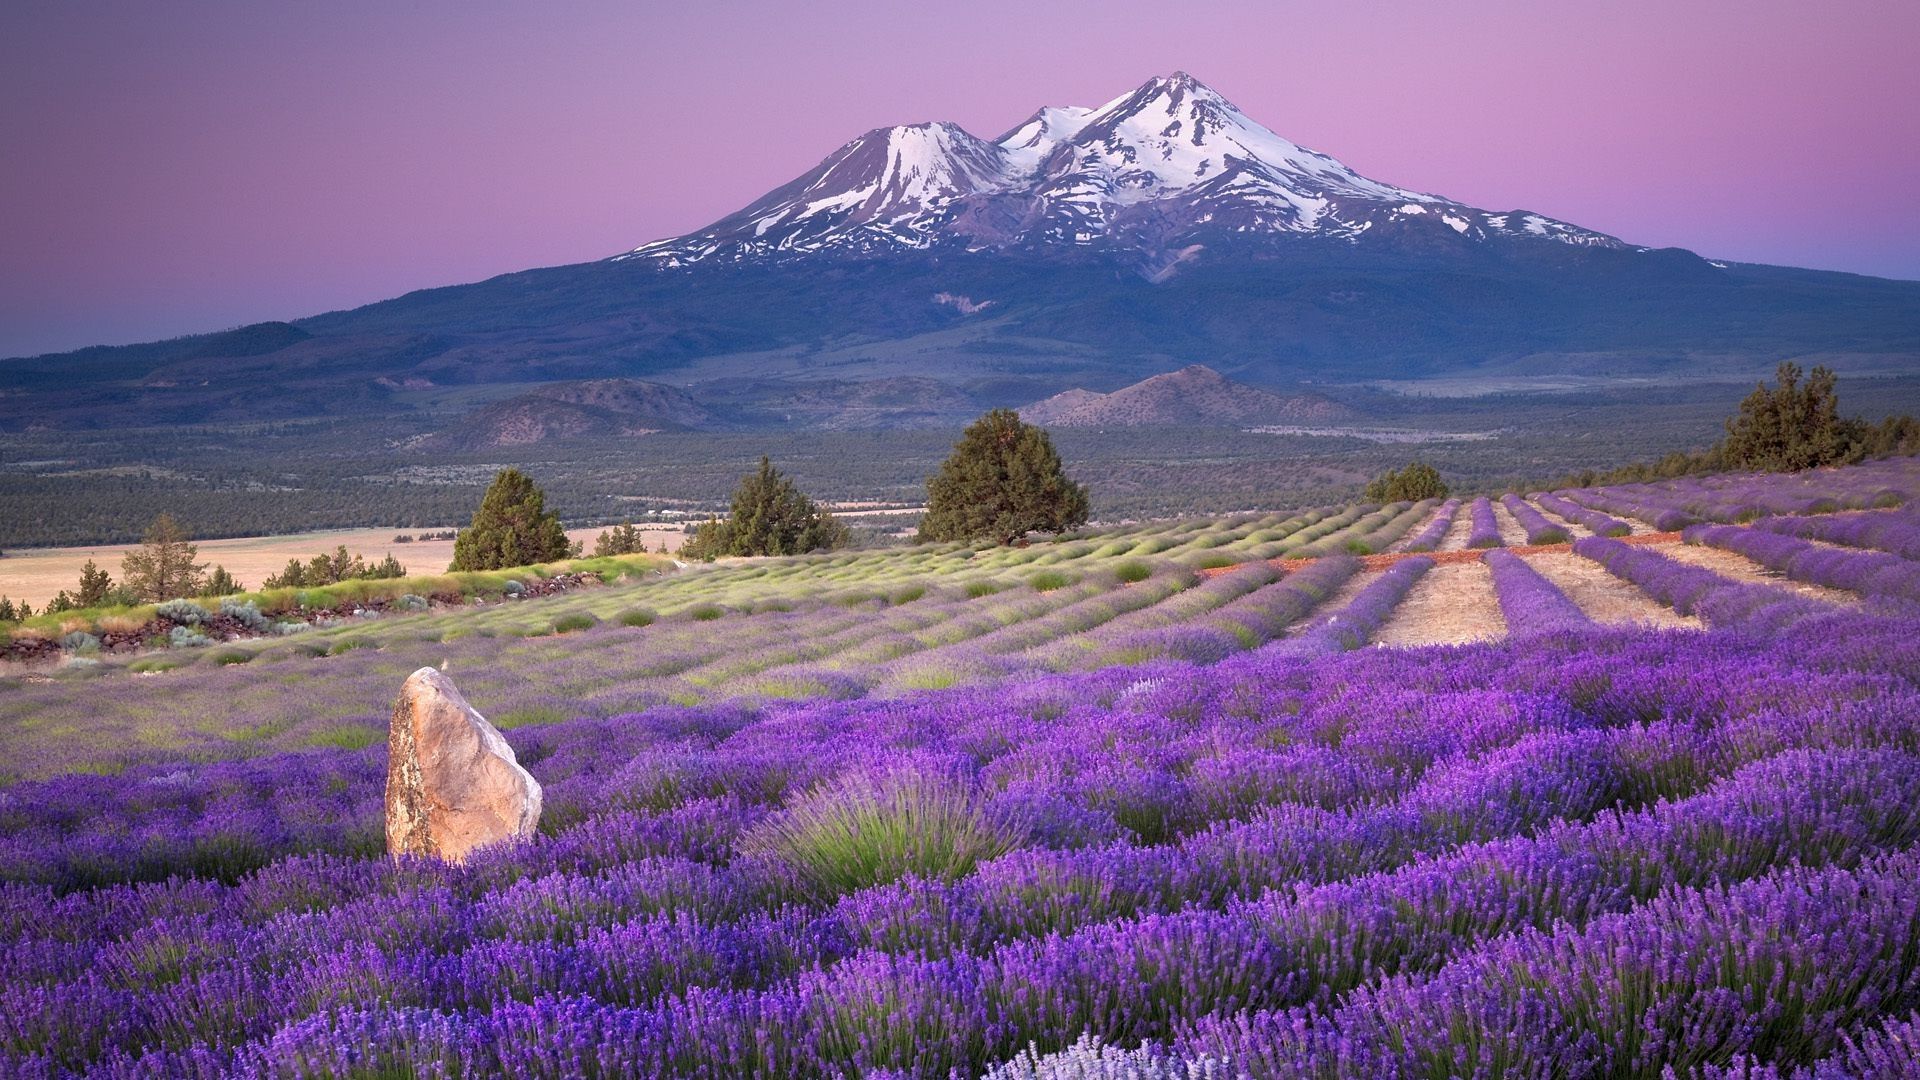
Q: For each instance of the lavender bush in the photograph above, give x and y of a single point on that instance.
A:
(1531, 604)
(1486, 529)
(1539, 529)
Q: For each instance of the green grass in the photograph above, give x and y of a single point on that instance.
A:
(636, 617)
(1049, 580)
(345, 737)
(579, 620)
(1133, 570)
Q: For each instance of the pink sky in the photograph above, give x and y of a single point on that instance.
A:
(179, 167)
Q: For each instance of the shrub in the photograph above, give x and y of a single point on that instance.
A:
(706, 612)
(1133, 570)
(865, 830)
(187, 637)
(908, 595)
(79, 641)
(1415, 482)
(247, 613)
(345, 645)
(978, 589)
(1049, 580)
(185, 612)
(410, 602)
(769, 516)
(636, 617)
(229, 657)
(579, 620)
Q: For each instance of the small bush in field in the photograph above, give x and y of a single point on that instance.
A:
(348, 645)
(229, 657)
(978, 589)
(1133, 570)
(579, 620)
(870, 830)
(185, 612)
(186, 637)
(908, 595)
(80, 642)
(247, 614)
(706, 612)
(636, 617)
(1215, 561)
(1049, 580)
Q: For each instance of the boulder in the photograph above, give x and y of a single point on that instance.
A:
(452, 781)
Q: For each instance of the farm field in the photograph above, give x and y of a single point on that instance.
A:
(1593, 782)
(36, 574)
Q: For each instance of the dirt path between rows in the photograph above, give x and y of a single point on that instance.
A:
(1606, 599)
(1742, 569)
(1450, 604)
(1462, 527)
(1512, 533)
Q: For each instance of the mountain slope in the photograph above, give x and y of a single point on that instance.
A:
(1084, 247)
(597, 409)
(1195, 395)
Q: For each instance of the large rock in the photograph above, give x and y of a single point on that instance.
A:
(452, 781)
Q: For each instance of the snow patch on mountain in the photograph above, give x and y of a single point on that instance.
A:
(1156, 173)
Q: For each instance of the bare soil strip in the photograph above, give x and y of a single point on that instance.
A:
(1740, 568)
(1450, 604)
(1462, 527)
(1512, 533)
(1574, 528)
(1605, 598)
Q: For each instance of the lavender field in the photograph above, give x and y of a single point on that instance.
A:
(1136, 802)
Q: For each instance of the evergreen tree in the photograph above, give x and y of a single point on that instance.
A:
(8, 613)
(1003, 481)
(221, 583)
(162, 567)
(1792, 426)
(1415, 482)
(96, 586)
(512, 527)
(622, 539)
(769, 516)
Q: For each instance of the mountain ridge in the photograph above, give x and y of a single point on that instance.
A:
(1155, 174)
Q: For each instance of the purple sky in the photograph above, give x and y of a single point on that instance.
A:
(186, 166)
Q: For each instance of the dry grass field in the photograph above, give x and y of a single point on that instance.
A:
(36, 574)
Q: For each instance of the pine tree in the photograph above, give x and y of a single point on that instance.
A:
(512, 527)
(221, 583)
(769, 516)
(162, 567)
(96, 586)
(1792, 426)
(622, 539)
(1003, 481)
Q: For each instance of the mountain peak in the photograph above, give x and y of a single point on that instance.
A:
(1153, 178)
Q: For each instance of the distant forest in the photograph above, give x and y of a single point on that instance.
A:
(65, 488)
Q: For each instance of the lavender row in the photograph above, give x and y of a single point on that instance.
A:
(1692, 590)
(1593, 521)
(1486, 528)
(1896, 532)
(1772, 967)
(1530, 603)
(1870, 573)
(958, 1013)
(1430, 537)
(1539, 529)
(1356, 623)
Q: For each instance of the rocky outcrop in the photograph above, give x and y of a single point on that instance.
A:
(453, 784)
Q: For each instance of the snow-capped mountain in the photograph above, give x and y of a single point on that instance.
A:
(1157, 175)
